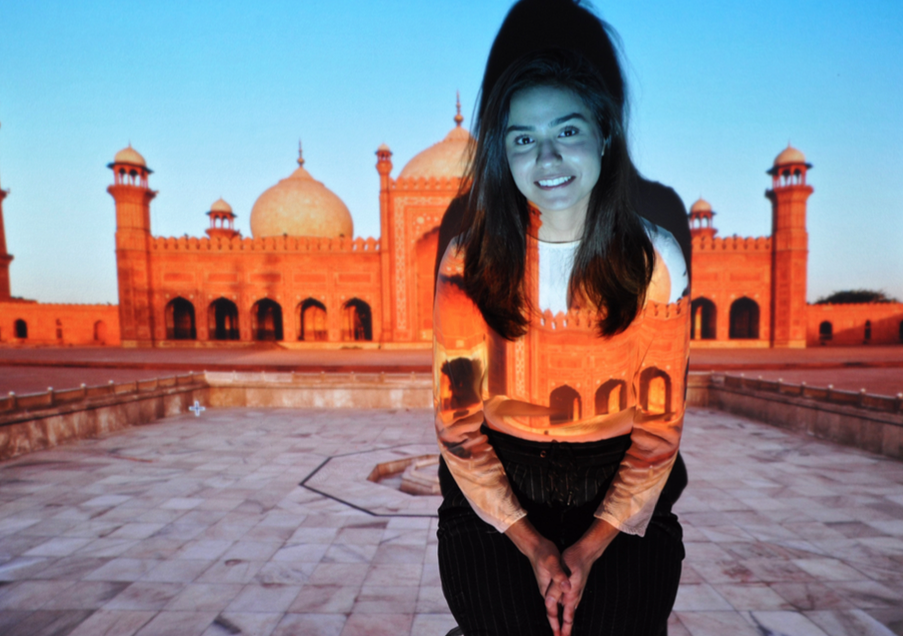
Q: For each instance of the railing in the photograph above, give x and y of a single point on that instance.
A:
(828, 394)
(51, 398)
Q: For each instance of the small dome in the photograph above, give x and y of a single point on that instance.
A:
(383, 148)
(701, 205)
(446, 159)
(221, 206)
(300, 206)
(789, 155)
(131, 156)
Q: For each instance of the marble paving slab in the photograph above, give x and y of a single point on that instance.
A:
(202, 527)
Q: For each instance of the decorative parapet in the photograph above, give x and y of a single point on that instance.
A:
(426, 183)
(731, 243)
(585, 320)
(265, 244)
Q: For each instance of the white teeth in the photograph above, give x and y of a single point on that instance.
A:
(550, 183)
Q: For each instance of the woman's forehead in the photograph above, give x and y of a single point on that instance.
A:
(544, 104)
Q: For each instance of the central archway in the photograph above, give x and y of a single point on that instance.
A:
(356, 321)
(744, 319)
(311, 321)
(565, 402)
(266, 320)
(180, 320)
(222, 320)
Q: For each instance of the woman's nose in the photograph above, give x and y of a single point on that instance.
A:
(547, 153)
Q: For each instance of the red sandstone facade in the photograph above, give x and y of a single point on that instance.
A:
(303, 280)
(751, 292)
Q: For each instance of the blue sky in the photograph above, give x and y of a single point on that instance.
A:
(215, 95)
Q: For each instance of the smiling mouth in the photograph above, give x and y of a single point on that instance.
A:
(546, 184)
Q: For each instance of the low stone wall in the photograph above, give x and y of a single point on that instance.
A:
(321, 390)
(32, 422)
(871, 422)
(42, 420)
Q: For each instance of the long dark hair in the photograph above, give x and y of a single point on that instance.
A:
(612, 266)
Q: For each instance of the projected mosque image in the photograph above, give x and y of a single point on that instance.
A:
(304, 280)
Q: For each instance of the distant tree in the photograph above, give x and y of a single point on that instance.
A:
(855, 296)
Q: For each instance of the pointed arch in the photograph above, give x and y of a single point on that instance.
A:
(703, 317)
(266, 320)
(655, 390)
(565, 402)
(222, 320)
(311, 320)
(21, 329)
(744, 319)
(611, 397)
(180, 319)
(356, 321)
(825, 331)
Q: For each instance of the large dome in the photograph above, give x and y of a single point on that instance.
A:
(131, 156)
(443, 160)
(300, 206)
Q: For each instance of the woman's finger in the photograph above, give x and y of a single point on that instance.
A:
(552, 600)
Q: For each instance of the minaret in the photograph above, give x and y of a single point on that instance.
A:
(790, 248)
(133, 197)
(701, 219)
(5, 258)
(384, 168)
(222, 221)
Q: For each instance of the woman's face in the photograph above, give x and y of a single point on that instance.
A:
(554, 149)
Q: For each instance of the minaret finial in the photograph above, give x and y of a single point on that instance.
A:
(458, 118)
(300, 155)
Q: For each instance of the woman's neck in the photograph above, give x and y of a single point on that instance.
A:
(561, 226)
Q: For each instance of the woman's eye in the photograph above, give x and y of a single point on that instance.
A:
(570, 131)
(523, 140)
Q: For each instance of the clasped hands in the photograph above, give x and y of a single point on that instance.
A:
(561, 576)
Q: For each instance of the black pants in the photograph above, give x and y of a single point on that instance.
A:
(490, 586)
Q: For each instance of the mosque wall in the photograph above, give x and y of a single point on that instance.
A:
(731, 292)
(290, 289)
(854, 324)
(24, 322)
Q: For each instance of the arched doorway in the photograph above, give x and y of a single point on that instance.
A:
(744, 319)
(704, 315)
(266, 320)
(356, 321)
(611, 397)
(180, 320)
(21, 329)
(825, 331)
(312, 323)
(222, 320)
(655, 391)
(100, 332)
(868, 330)
(565, 402)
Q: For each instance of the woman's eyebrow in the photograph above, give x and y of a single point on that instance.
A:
(552, 124)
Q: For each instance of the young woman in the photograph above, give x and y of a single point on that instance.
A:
(561, 340)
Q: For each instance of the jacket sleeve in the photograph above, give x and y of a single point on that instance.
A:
(459, 390)
(660, 389)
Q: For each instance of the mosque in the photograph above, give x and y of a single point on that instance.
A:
(304, 280)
